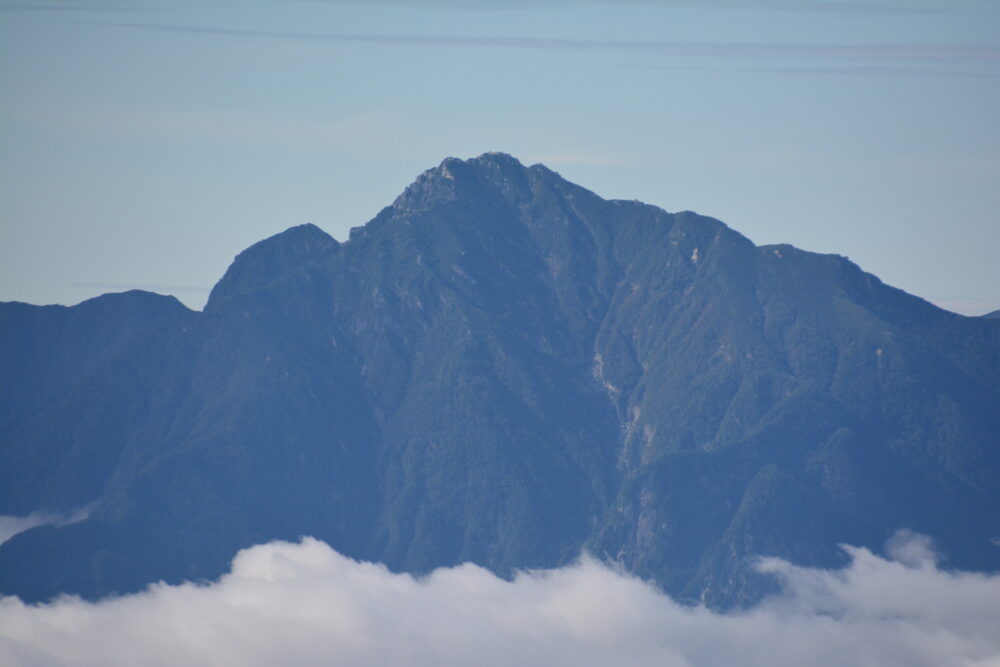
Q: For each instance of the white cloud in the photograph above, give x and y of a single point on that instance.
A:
(12, 525)
(305, 604)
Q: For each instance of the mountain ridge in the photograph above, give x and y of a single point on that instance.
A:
(505, 368)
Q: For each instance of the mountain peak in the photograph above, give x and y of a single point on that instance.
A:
(492, 160)
(454, 177)
(266, 261)
(133, 299)
(498, 159)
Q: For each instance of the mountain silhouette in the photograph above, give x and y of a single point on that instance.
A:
(501, 367)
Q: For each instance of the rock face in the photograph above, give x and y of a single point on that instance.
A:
(501, 367)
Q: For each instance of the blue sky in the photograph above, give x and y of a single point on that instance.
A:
(144, 144)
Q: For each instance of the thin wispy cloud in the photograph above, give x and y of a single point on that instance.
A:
(814, 6)
(929, 53)
(71, 7)
(828, 6)
(376, 128)
(12, 525)
(863, 70)
(304, 604)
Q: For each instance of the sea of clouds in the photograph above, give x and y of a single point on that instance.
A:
(305, 604)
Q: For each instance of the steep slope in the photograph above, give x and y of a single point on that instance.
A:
(505, 368)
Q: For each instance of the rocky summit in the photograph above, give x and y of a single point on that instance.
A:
(504, 368)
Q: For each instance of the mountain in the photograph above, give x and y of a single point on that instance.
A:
(46, 348)
(502, 367)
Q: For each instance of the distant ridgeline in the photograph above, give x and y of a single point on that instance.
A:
(503, 368)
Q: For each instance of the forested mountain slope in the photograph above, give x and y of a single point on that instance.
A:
(501, 367)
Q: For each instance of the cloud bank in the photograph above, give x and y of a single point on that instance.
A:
(305, 604)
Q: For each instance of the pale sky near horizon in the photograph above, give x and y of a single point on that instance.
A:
(143, 144)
